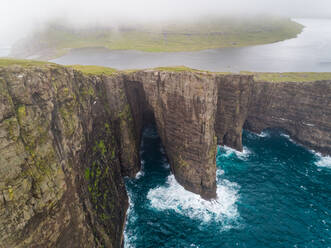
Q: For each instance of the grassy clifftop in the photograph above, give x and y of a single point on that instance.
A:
(289, 76)
(22, 62)
(258, 76)
(57, 40)
(93, 69)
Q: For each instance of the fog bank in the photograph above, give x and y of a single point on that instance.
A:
(19, 17)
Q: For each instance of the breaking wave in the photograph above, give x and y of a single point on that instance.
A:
(129, 237)
(263, 134)
(287, 136)
(141, 172)
(174, 197)
(323, 161)
(228, 151)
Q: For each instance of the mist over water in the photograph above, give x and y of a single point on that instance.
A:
(19, 18)
(4, 50)
(309, 52)
(274, 194)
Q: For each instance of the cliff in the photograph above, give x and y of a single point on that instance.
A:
(68, 138)
(65, 141)
(302, 109)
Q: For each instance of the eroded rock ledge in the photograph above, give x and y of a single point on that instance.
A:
(67, 139)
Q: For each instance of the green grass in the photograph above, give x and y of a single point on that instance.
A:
(4, 62)
(258, 76)
(94, 70)
(85, 69)
(290, 76)
(176, 69)
(188, 69)
(175, 37)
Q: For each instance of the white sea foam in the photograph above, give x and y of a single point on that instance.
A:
(263, 134)
(173, 196)
(288, 137)
(285, 135)
(219, 173)
(322, 161)
(129, 238)
(165, 165)
(131, 205)
(241, 155)
(129, 242)
(141, 172)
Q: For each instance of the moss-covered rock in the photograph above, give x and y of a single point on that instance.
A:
(48, 115)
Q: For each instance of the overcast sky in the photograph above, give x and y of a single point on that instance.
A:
(19, 17)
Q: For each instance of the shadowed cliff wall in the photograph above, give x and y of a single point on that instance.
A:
(303, 109)
(234, 95)
(68, 139)
(184, 108)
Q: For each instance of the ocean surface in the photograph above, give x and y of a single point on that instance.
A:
(310, 51)
(275, 193)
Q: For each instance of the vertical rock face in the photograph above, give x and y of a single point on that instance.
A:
(184, 107)
(67, 140)
(234, 94)
(303, 109)
(127, 135)
(64, 140)
(40, 139)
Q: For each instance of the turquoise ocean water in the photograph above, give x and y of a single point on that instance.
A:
(273, 194)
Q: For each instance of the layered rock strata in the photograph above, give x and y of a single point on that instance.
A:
(183, 105)
(67, 140)
(302, 109)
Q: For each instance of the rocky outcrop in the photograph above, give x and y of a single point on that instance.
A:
(183, 105)
(67, 139)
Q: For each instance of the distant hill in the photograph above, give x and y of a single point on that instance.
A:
(56, 39)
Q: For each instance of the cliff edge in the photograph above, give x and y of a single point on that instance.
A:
(67, 139)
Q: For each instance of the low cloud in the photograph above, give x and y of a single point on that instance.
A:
(19, 17)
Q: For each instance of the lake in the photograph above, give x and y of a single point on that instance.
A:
(310, 51)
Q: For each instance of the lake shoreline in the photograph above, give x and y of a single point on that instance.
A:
(308, 52)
